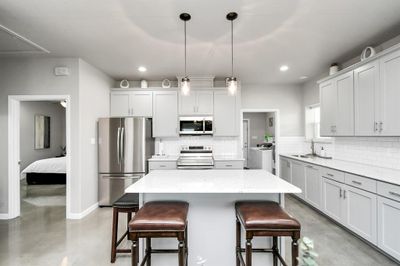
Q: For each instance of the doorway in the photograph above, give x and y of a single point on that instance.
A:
(14, 146)
(260, 139)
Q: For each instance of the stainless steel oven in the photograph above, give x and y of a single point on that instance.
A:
(195, 125)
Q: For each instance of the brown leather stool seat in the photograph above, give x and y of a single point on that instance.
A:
(267, 219)
(160, 219)
(129, 204)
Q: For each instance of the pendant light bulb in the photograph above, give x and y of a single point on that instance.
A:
(185, 84)
(231, 82)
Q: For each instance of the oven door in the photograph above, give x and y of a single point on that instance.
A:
(191, 126)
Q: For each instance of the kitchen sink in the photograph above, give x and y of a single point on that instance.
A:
(310, 156)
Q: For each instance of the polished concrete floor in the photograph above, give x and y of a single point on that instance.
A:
(42, 236)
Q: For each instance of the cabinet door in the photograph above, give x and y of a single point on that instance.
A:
(285, 172)
(313, 193)
(360, 212)
(119, 104)
(187, 103)
(366, 84)
(328, 94)
(332, 203)
(345, 105)
(205, 102)
(141, 103)
(165, 114)
(225, 114)
(390, 95)
(388, 226)
(298, 178)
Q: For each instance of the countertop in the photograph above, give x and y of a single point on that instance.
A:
(387, 175)
(211, 181)
(158, 158)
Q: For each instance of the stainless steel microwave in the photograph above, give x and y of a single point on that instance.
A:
(196, 125)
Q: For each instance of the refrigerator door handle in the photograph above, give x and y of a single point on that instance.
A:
(122, 144)
(119, 145)
(122, 177)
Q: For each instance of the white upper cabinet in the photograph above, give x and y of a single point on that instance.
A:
(328, 96)
(131, 103)
(366, 92)
(196, 103)
(389, 124)
(165, 114)
(337, 107)
(225, 114)
(119, 104)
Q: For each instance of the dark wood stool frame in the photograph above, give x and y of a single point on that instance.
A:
(148, 235)
(274, 233)
(114, 239)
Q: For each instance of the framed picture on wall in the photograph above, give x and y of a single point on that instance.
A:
(42, 132)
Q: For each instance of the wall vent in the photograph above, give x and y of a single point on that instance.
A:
(13, 43)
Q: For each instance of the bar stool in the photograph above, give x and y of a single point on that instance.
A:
(128, 203)
(159, 220)
(265, 219)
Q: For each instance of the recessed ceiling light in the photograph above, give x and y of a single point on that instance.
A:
(142, 69)
(284, 68)
(303, 77)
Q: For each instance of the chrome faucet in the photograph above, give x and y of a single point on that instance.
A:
(313, 147)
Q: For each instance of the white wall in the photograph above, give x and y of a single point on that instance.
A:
(94, 102)
(288, 99)
(28, 110)
(34, 76)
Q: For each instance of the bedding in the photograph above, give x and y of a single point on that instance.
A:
(46, 166)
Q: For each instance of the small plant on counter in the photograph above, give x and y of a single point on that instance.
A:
(307, 255)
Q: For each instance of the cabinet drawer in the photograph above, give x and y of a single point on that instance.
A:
(229, 164)
(162, 165)
(361, 182)
(389, 191)
(332, 174)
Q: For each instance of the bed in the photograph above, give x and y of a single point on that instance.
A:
(46, 171)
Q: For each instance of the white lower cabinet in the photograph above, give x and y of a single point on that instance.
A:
(162, 165)
(332, 203)
(285, 170)
(299, 178)
(360, 212)
(388, 226)
(313, 186)
(229, 164)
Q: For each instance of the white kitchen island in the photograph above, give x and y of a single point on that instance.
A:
(211, 219)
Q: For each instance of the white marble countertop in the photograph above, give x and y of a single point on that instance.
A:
(378, 173)
(211, 181)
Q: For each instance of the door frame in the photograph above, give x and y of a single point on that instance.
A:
(14, 102)
(248, 140)
(277, 131)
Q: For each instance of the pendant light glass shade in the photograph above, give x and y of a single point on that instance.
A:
(231, 82)
(185, 84)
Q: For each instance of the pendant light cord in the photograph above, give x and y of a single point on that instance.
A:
(232, 45)
(185, 47)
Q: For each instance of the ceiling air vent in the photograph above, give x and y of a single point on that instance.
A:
(13, 43)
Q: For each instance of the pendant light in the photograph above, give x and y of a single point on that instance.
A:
(231, 82)
(185, 84)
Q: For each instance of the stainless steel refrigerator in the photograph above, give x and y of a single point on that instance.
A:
(124, 146)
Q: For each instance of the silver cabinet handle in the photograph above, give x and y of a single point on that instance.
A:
(228, 165)
(375, 126)
(356, 182)
(344, 194)
(162, 165)
(340, 193)
(380, 126)
(330, 175)
(394, 194)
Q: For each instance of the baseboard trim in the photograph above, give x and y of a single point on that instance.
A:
(76, 216)
(4, 216)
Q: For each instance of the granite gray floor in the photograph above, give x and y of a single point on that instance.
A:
(42, 236)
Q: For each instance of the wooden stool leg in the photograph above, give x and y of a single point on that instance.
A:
(248, 252)
(181, 253)
(148, 251)
(134, 252)
(275, 250)
(114, 235)
(238, 242)
(295, 250)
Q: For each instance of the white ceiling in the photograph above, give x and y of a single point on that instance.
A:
(119, 35)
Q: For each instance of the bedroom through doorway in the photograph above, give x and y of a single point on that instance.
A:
(42, 157)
